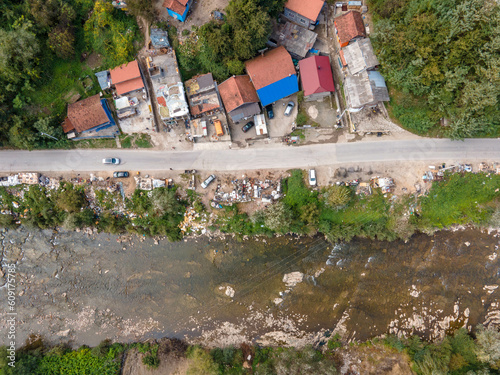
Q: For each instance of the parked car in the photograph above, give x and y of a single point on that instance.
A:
(111, 161)
(289, 108)
(120, 174)
(249, 125)
(207, 182)
(312, 177)
(270, 111)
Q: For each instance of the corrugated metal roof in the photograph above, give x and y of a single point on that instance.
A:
(359, 56)
(103, 79)
(159, 38)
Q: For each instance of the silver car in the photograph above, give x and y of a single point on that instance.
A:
(115, 161)
(207, 182)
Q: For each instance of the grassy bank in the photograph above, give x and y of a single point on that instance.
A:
(459, 353)
(335, 211)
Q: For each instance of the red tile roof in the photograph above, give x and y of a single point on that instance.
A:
(237, 91)
(86, 113)
(126, 77)
(161, 101)
(178, 6)
(307, 8)
(349, 26)
(316, 75)
(275, 65)
(67, 125)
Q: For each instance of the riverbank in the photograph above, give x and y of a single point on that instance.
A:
(457, 353)
(337, 211)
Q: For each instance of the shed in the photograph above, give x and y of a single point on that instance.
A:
(260, 124)
(103, 79)
(304, 13)
(178, 8)
(297, 40)
(365, 89)
(159, 38)
(359, 56)
(273, 75)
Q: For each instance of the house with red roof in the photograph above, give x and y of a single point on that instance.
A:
(273, 75)
(316, 77)
(349, 27)
(239, 97)
(127, 78)
(304, 13)
(178, 8)
(87, 118)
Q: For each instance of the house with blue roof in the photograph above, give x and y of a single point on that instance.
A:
(273, 75)
(178, 8)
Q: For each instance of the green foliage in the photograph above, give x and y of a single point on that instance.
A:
(459, 199)
(445, 53)
(110, 33)
(301, 119)
(142, 8)
(336, 196)
(200, 362)
(150, 361)
(488, 346)
(334, 342)
(69, 198)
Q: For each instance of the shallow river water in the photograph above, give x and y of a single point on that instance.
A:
(82, 289)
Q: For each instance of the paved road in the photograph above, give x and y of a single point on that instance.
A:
(253, 158)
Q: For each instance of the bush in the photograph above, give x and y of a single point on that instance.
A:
(301, 119)
(150, 361)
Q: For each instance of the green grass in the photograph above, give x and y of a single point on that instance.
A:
(63, 78)
(126, 141)
(143, 141)
(460, 199)
(95, 143)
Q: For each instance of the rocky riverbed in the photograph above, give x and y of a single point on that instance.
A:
(82, 288)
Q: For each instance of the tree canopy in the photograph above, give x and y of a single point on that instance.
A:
(444, 59)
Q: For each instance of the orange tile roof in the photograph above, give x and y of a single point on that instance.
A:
(349, 26)
(275, 65)
(128, 86)
(237, 91)
(67, 125)
(86, 113)
(125, 72)
(178, 6)
(307, 8)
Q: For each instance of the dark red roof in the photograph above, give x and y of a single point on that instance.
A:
(273, 66)
(237, 91)
(316, 75)
(349, 26)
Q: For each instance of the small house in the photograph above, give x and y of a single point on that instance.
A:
(304, 12)
(202, 94)
(177, 8)
(159, 38)
(367, 88)
(239, 97)
(316, 77)
(359, 56)
(88, 118)
(297, 40)
(273, 75)
(127, 78)
(349, 27)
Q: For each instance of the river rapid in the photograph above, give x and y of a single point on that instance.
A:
(78, 288)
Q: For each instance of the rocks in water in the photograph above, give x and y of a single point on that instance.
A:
(293, 278)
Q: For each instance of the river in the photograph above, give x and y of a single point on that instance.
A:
(81, 289)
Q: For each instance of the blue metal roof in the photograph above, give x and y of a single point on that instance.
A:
(376, 78)
(278, 90)
(159, 38)
(102, 78)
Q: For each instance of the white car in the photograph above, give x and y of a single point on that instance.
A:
(207, 182)
(312, 177)
(111, 161)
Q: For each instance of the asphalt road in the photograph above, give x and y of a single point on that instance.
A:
(253, 158)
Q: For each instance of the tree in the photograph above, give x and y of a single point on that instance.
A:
(165, 202)
(143, 8)
(278, 217)
(337, 196)
(201, 362)
(70, 198)
(19, 50)
(488, 346)
(61, 41)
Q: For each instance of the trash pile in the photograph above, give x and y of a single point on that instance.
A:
(194, 221)
(386, 184)
(248, 189)
(437, 173)
(364, 189)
